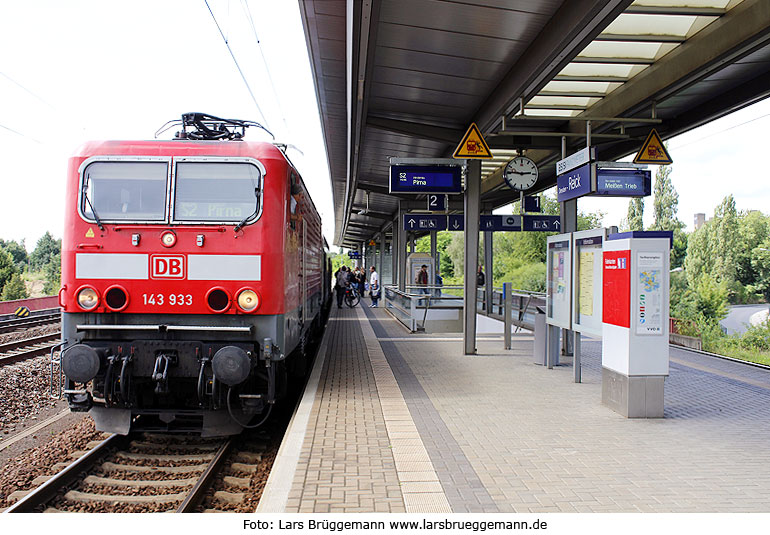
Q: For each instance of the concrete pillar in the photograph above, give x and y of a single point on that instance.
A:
(568, 221)
(472, 216)
(434, 247)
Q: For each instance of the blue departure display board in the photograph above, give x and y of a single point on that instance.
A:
(426, 179)
(623, 182)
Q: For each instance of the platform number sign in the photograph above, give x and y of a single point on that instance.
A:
(436, 202)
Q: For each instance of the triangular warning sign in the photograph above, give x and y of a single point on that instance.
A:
(653, 151)
(473, 145)
(90, 233)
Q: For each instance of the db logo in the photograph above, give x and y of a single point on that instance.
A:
(167, 267)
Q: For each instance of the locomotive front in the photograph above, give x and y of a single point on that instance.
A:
(175, 285)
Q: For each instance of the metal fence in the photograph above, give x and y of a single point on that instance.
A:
(414, 307)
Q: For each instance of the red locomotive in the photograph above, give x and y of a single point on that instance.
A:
(193, 277)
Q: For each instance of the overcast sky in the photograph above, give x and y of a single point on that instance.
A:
(78, 70)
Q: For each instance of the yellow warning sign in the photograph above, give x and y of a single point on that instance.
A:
(653, 151)
(90, 233)
(473, 145)
(21, 312)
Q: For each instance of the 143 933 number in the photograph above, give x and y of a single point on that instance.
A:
(171, 299)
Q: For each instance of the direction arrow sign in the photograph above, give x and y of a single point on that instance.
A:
(456, 222)
(496, 223)
(541, 223)
(424, 222)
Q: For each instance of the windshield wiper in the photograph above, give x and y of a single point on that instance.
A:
(85, 195)
(239, 226)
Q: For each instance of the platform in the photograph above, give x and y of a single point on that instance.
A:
(397, 422)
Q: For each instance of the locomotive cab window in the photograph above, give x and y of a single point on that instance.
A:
(124, 191)
(226, 192)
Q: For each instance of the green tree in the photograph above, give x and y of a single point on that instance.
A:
(753, 229)
(635, 219)
(726, 241)
(52, 272)
(14, 289)
(7, 268)
(47, 247)
(666, 202)
(18, 251)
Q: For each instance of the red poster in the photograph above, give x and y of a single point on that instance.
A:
(616, 297)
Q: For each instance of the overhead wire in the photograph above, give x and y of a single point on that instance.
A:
(20, 134)
(245, 4)
(722, 131)
(232, 54)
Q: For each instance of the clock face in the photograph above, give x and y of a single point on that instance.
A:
(520, 173)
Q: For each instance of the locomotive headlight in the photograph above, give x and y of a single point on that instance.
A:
(248, 300)
(88, 298)
(168, 239)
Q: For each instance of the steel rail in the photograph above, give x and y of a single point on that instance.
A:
(196, 495)
(33, 352)
(26, 323)
(49, 490)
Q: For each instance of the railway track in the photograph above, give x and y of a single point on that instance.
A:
(28, 348)
(10, 325)
(147, 473)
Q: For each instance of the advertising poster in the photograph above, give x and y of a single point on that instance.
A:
(617, 288)
(649, 305)
(586, 271)
(559, 276)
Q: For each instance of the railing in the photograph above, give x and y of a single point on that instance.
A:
(523, 306)
(419, 306)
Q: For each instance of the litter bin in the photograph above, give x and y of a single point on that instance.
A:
(541, 337)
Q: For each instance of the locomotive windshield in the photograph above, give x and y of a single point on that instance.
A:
(216, 191)
(125, 191)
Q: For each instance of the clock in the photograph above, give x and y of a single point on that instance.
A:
(520, 173)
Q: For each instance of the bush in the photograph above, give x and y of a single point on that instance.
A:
(757, 337)
(14, 289)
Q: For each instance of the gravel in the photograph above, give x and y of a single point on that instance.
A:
(18, 473)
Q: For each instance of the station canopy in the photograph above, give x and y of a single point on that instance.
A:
(406, 78)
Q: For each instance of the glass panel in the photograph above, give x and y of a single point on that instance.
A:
(125, 191)
(213, 191)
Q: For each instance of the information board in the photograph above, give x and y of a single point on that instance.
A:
(574, 184)
(415, 175)
(623, 182)
(587, 281)
(648, 309)
(559, 281)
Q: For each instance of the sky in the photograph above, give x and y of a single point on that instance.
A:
(87, 70)
(90, 70)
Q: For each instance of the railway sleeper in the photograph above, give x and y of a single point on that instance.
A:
(89, 497)
(151, 446)
(142, 457)
(155, 483)
(109, 467)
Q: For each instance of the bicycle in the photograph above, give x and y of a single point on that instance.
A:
(352, 297)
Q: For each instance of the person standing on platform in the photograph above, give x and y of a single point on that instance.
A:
(362, 282)
(374, 287)
(342, 285)
(480, 278)
(421, 280)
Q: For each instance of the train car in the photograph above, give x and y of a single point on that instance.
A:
(193, 277)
